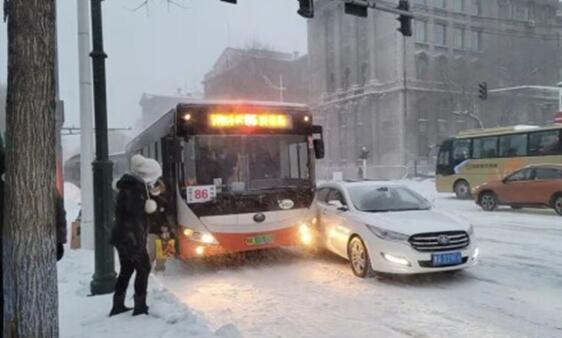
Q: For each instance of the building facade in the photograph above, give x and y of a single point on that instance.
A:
(398, 97)
(258, 74)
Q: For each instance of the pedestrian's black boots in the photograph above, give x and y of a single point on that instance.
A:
(119, 305)
(140, 305)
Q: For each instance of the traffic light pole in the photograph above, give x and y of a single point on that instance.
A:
(104, 276)
(378, 5)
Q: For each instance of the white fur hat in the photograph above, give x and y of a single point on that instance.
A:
(146, 168)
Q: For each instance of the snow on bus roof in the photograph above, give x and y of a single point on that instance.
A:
(503, 130)
(241, 102)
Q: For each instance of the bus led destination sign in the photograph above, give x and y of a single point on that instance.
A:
(237, 120)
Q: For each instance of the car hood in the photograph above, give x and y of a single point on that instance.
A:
(414, 222)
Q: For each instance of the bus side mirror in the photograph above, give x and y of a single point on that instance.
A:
(319, 148)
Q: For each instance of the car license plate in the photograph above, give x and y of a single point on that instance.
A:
(444, 259)
(259, 240)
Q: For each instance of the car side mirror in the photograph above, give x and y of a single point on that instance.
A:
(319, 148)
(337, 204)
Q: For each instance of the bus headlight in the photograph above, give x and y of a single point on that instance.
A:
(305, 234)
(202, 237)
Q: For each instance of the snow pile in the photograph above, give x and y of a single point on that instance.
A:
(84, 316)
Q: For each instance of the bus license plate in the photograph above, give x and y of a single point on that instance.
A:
(452, 258)
(259, 240)
(201, 193)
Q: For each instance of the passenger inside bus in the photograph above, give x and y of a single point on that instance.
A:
(207, 167)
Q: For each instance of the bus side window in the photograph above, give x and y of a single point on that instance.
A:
(486, 147)
(544, 143)
(461, 150)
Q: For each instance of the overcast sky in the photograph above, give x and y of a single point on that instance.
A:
(168, 47)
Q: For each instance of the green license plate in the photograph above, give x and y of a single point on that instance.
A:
(259, 240)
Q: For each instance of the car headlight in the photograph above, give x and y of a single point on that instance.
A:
(470, 230)
(387, 234)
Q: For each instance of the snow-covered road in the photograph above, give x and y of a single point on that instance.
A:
(515, 291)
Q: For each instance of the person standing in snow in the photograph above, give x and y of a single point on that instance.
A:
(157, 221)
(129, 233)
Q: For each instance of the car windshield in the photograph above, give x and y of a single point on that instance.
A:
(386, 199)
(247, 163)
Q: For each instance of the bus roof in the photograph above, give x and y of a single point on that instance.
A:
(200, 102)
(505, 130)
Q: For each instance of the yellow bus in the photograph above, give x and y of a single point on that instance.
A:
(477, 156)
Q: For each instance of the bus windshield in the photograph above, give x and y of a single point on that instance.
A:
(244, 163)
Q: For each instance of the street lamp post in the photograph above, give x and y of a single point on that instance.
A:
(104, 276)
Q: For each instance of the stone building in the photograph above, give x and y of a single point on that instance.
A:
(258, 74)
(400, 97)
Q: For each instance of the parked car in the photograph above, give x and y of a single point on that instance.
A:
(531, 186)
(388, 228)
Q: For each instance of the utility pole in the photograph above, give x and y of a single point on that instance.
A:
(104, 277)
(86, 127)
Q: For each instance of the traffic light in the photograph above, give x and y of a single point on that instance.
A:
(405, 20)
(231, 1)
(483, 91)
(356, 10)
(306, 8)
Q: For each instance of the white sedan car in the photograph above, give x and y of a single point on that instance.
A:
(388, 228)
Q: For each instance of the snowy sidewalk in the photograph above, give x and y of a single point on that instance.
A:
(84, 316)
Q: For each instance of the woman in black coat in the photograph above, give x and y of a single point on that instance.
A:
(129, 234)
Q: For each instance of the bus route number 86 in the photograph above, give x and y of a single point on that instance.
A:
(201, 194)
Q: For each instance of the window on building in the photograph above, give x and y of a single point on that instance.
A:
(364, 75)
(544, 143)
(521, 10)
(423, 145)
(422, 125)
(331, 83)
(476, 40)
(420, 2)
(458, 6)
(439, 3)
(513, 145)
(459, 41)
(442, 129)
(421, 31)
(503, 9)
(346, 78)
(486, 147)
(476, 8)
(442, 67)
(440, 34)
(422, 67)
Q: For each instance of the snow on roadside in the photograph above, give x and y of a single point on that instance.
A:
(84, 316)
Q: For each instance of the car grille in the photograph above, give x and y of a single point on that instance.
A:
(439, 241)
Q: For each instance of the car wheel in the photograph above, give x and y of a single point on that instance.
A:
(488, 201)
(359, 257)
(462, 190)
(558, 205)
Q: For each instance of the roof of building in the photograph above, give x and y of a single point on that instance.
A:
(232, 57)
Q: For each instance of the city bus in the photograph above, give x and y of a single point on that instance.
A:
(481, 155)
(241, 174)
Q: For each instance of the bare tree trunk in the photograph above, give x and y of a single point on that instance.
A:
(29, 262)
